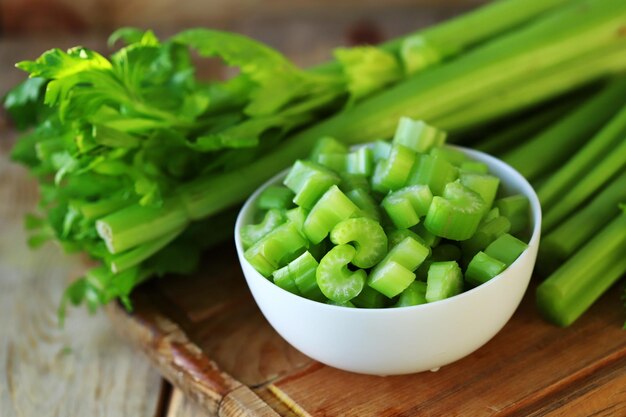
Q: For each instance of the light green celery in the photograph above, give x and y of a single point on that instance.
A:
(452, 155)
(133, 257)
(482, 268)
(252, 233)
(506, 248)
(484, 185)
(610, 165)
(474, 166)
(366, 204)
(336, 281)
(414, 294)
(417, 135)
(303, 269)
(398, 235)
(457, 214)
(369, 298)
(284, 279)
(276, 249)
(97, 209)
(583, 278)
(326, 145)
(135, 225)
(407, 205)
(391, 174)
(433, 171)
(366, 235)
(330, 209)
(309, 180)
(445, 280)
(487, 232)
(564, 137)
(513, 58)
(516, 208)
(570, 235)
(275, 197)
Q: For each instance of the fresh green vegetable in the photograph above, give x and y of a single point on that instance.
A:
(133, 149)
(445, 280)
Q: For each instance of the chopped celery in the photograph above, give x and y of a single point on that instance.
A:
(454, 156)
(309, 181)
(398, 235)
(406, 205)
(366, 204)
(297, 216)
(303, 270)
(417, 135)
(488, 231)
(444, 281)
(395, 272)
(381, 150)
(285, 280)
(485, 185)
(457, 214)
(366, 235)
(391, 174)
(429, 238)
(275, 197)
(516, 209)
(506, 248)
(433, 171)
(482, 268)
(369, 298)
(329, 210)
(474, 166)
(414, 294)
(327, 145)
(276, 249)
(334, 278)
(252, 233)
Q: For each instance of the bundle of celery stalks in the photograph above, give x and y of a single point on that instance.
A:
(142, 165)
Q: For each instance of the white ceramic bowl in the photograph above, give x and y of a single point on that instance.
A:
(398, 340)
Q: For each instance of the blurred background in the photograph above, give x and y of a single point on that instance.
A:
(305, 30)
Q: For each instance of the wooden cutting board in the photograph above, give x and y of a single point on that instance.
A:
(206, 335)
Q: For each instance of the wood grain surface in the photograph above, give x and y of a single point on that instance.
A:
(83, 369)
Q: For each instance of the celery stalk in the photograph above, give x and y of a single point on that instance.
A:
(564, 137)
(580, 281)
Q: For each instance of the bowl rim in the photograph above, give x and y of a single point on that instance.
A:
(518, 180)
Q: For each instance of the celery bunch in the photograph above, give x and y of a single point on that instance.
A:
(140, 163)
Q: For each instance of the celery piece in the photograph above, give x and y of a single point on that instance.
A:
(366, 204)
(341, 303)
(334, 278)
(398, 235)
(381, 150)
(309, 181)
(297, 216)
(454, 156)
(303, 270)
(276, 249)
(390, 278)
(336, 162)
(506, 248)
(413, 295)
(366, 235)
(360, 161)
(275, 197)
(444, 281)
(440, 253)
(329, 210)
(516, 209)
(488, 231)
(391, 174)
(457, 214)
(395, 272)
(406, 205)
(570, 235)
(417, 135)
(327, 145)
(583, 278)
(369, 298)
(427, 237)
(484, 184)
(482, 268)
(252, 233)
(351, 182)
(491, 214)
(433, 171)
(284, 279)
(474, 166)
